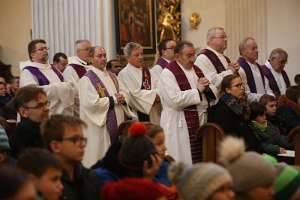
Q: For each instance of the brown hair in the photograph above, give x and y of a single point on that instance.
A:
(26, 94)
(31, 46)
(226, 82)
(266, 98)
(53, 129)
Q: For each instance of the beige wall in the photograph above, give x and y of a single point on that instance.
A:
(284, 31)
(15, 23)
(212, 13)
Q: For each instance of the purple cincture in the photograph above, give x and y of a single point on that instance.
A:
(111, 121)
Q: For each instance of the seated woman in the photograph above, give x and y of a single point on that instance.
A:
(271, 105)
(232, 112)
(289, 108)
(271, 140)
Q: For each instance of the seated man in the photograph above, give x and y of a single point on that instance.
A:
(32, 105)
(60, 61)
(63, 136)
(38, 72)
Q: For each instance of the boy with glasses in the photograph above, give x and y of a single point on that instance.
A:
(33, 107)
(63, 136)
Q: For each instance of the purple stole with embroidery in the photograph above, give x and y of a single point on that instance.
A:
(146, 85)
(190, 112)
(162, 62)
(272, 81)
(250, 79)
(215, 60)
(111, 118)
(80, 70)
(41, 78)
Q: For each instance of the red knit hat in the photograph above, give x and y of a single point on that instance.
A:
(132, 189)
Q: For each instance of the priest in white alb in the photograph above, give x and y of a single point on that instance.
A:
(185, 96)
(103, 106)
(37, 71)
(77, 67)
(137, 80)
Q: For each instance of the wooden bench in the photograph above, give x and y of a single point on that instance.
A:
(211, 135)
(294, 136)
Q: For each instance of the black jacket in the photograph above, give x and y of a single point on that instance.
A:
(26, 135)
(85, 186)
(233, 124)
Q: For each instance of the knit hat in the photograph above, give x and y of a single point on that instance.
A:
(198, 181)
(287, 181)
(4, 144)
(132, 189)
(248, 169)
(137, 148)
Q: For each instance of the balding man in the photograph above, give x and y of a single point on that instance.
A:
(275, 73)
(250, 71)
(138, 82)
(102, 106)
(212, 61)
(77, 67)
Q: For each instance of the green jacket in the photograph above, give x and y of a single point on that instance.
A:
(270, 138)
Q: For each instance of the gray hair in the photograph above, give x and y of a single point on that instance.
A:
(243, 44)
(93, 49)
(129, 47)
(212, 32)
(277, 52)
(79, 42)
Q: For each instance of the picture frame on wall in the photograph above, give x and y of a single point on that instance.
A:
(135, 22)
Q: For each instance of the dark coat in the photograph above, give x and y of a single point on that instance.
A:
(289, 112)
(26, 135)
(271, 139)
(233, 124)
(85, 186)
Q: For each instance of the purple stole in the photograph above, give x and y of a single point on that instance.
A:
(250, 79)
(272, 81)
(41, 78)
(111, 118)
(215, 60)
(80, 70)
(190, 112)
(162, 62)
(146, 85)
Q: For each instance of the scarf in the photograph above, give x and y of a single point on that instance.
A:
(237, 106)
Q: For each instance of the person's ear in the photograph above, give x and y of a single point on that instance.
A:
(55, 146)
(23, 112)
(227, 90)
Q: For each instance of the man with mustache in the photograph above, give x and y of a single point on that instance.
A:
(38, 71)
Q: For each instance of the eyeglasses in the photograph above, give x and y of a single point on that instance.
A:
(221, 36)
(77, 140)
(86, 49)
(42, 49)
(170, 48)
(240, 85)
(39, 105)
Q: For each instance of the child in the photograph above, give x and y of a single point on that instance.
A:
(45, 171)
(15, 185)
(63, 136)
(205, 181)
(297, 79)
(252, 176)
(271, 140)
(270, 103)
(5, 158)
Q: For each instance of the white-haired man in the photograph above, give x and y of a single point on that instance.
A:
(138, 82)
(77, 67)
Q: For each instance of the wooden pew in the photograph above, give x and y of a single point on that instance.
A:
(294, 136)
(211, 135)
